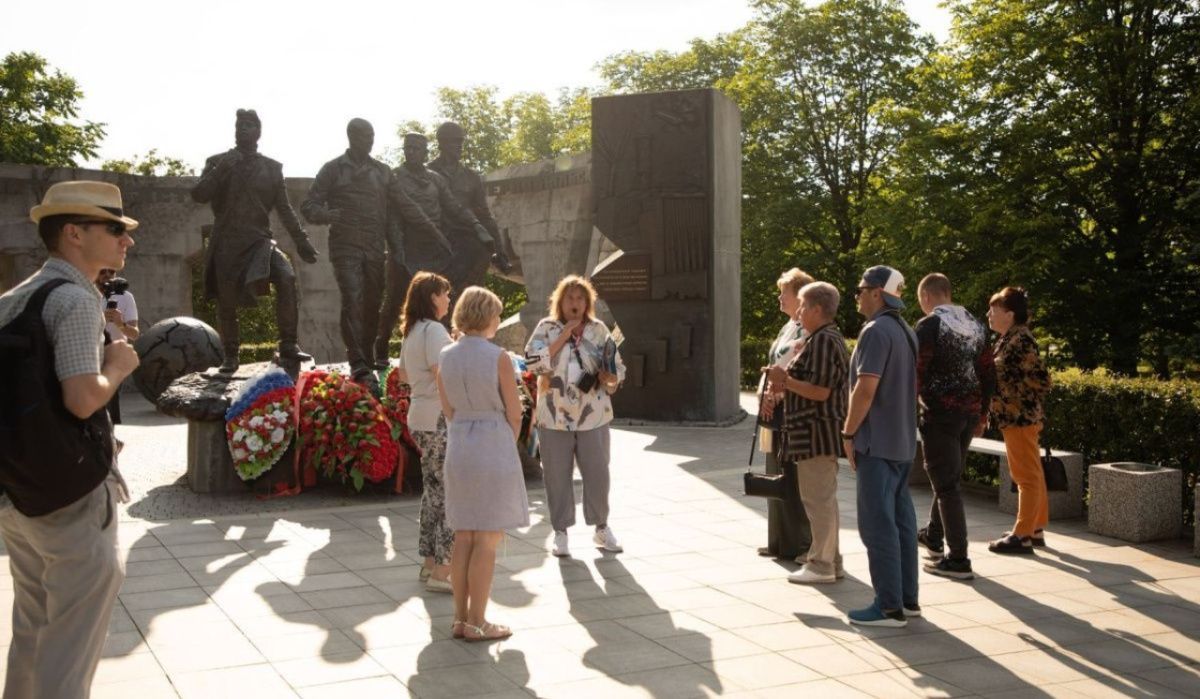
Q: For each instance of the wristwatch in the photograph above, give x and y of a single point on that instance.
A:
(848, 436)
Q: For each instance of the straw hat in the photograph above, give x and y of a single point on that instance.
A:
(84, 198)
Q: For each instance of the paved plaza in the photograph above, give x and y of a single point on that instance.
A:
(317, 596)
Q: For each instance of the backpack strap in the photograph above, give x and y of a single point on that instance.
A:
(33, 312)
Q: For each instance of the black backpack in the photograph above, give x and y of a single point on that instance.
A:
(48, 457)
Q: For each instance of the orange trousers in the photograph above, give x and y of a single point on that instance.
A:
(1025, 465)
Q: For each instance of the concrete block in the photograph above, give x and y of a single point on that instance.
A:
(1196, 523)
(1135, 502)
(1066, 504)
(209, 465)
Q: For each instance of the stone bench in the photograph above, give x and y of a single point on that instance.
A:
(1063, 504)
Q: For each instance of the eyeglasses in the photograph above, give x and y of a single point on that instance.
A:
(859, 291)
(115, 228)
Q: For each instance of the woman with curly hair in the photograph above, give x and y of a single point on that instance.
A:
(578, 368)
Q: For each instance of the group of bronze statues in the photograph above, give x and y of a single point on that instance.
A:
(384, 225)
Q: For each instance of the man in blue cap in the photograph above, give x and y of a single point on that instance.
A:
(880, 440)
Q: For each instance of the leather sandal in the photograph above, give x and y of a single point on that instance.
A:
(456, 628)
(486, 632)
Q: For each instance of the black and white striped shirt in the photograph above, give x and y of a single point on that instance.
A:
(814, 428)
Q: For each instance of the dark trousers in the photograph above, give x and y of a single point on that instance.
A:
(398, 279)
(788, 531)
(287, 307)
(946, 438)
(360, 281)
(470, 263)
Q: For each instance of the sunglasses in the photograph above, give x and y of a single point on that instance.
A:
(114, 228)
(859, 291)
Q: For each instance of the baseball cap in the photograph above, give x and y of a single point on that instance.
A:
(887, 280)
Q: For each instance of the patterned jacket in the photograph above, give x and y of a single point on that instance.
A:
(1021, 380)
(561, 405)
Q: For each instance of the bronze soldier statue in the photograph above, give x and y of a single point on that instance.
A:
(432, 193)
(242, 259)
(471, 253)
(365, 208)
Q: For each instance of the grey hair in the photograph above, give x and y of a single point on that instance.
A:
(824, 295)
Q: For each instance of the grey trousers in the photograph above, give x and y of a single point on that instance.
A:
(561, 450)
(66, 573)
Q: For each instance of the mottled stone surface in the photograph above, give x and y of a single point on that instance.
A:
(1135, 505)
(1066, 504)
(172, 348)
(1196, 523)
(205, 395)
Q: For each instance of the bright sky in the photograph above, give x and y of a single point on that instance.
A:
(170, 75)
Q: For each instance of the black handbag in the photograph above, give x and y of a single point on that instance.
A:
(763, 485)
(1055, 472)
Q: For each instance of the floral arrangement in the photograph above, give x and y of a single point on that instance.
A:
(260, 422)
(344, 431)
(397, 397)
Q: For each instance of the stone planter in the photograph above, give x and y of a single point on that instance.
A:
(1135, 502)
(1064, 504)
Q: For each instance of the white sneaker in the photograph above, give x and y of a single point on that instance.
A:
(808, 576)
(560, 545)
(605, 539)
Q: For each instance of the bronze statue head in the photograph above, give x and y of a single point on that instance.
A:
(361, 136)
(416, 148)
(450, 138)
(247, 128)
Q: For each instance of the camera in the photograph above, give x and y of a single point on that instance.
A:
(116, 285)
(587, 382)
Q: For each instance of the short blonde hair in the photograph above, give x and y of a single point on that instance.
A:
(573, 281)
(475, 309)
(793, 279)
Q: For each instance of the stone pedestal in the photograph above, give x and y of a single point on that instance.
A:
(210, 467)
(1066, 504)
(1196, 523)
(1135, 502)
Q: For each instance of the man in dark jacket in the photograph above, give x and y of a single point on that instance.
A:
(242, 259)
(956, 379)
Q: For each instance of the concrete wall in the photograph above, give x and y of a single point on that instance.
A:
(168, 237)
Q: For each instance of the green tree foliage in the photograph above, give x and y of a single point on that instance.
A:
(525, 127)
(150, 164)
(39, 115)
(1055, 144)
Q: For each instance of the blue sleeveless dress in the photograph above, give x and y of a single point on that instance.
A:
(485, 488)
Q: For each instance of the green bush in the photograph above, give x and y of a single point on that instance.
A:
(1108, 418)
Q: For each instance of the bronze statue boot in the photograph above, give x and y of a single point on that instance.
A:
(290, 357)
(367, 379)
(230, 364)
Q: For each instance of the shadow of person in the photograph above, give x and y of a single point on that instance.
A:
(175, 575)
(623, 654)
(352, 583)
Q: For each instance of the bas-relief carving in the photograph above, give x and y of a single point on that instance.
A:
(655, 196)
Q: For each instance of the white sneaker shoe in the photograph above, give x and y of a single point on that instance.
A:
(808, 576)
(560, 545)
(605, 539)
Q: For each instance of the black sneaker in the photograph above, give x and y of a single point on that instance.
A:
(957, 568)
(1038, 539)
(1011, 544)
(912, 610)
(935, 547)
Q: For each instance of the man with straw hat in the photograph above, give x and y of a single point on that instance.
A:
(57, 516)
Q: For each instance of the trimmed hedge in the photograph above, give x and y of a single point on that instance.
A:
(249, 353)
(1108, 418)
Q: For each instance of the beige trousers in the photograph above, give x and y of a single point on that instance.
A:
(66, 574)
(817, 479)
